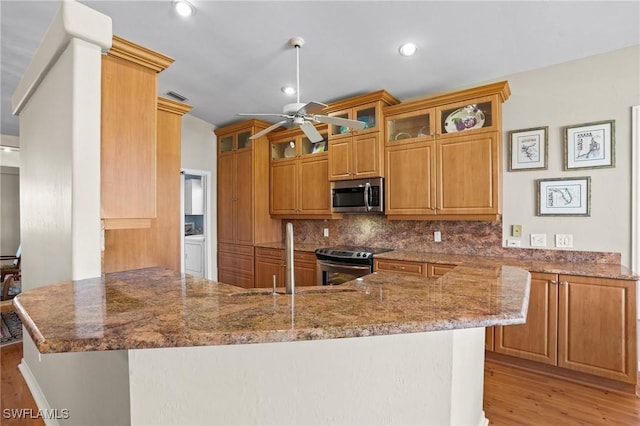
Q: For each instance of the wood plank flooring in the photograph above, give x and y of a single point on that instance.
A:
(512, 397)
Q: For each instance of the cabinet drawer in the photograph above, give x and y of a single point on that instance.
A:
(304, 256)
(413, 268)
(436, 270)
(235, 248)
(271, 253)
(233, 278)
(235, 262)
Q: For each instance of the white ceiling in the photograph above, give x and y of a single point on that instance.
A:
(233, 56)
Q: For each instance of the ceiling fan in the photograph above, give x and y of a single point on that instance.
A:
(304, 115)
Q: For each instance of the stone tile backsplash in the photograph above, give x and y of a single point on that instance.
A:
(464, 238)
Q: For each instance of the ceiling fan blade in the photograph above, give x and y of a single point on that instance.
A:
(311, 132)
(268, 129)
(353, 124)
(312, 107)
(244, 114)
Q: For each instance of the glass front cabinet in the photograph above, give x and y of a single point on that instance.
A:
(299, 178)
(443, 155)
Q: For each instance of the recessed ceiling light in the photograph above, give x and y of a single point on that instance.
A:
(288, 90)
(408, 49)
(183, 8)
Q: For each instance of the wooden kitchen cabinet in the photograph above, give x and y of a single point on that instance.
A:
(270, 262)
(433, 170)
(436, 270)
(583, 324)
(358, 154)
(243, 198)
(299, 178)
(128, 134)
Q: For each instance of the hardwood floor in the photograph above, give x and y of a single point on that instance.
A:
(512, 397)
(516, 397)
(14, 390)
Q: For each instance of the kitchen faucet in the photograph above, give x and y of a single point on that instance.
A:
(289, 278)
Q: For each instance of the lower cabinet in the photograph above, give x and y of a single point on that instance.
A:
(405, 267)
(269, 263)
(579, 323)
(235, 264)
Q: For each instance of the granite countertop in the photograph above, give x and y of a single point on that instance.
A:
(159, 308)
(597, 270)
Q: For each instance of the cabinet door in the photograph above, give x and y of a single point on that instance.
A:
(226, 203)
(128, 140)
(305, 273)
(367, 155)
(480, 115)
(266, 269)
(468, 169)
(597, 327)
(314, 188)
(284, 187)
(340, 159)
(536, 339)
(410, 179)
(436, 270)
(194, 259)
(244, 197)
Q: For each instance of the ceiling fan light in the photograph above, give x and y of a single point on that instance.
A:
(408, 49)
(288, 90)
(183, 8)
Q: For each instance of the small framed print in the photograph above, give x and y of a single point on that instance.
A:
(564, 197)
(528, 149)
(589, 145)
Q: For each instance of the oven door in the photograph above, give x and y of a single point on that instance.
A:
(334, 273)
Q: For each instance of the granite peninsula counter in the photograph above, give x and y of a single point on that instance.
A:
(389, 349)
(158, 308)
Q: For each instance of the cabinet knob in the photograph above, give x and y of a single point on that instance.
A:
(563, 283)
(553, 282)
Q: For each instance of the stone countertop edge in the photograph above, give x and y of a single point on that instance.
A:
(159, 308)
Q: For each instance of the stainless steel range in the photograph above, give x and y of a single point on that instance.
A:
(336, 265)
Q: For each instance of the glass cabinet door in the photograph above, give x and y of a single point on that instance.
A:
(308, 147)
(336, 130)
(243, 140)
(283, 149)
(368, 116)
(468, 116)
(404, 127)
(226, 143)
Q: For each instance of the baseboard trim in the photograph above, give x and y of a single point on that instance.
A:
(36, 392)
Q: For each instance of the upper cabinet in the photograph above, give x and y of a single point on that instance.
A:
(356, 154)
(299, 175)
(128, 134)
(443, 155)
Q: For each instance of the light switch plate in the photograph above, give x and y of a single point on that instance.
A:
(538, 240)
(564, 240)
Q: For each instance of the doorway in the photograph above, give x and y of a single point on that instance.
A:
(196, 223)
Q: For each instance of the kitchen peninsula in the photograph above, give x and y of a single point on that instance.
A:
(386, 349)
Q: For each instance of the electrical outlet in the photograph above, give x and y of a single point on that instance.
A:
(538, 240)
(516, 230)
(437, 236)
(513, 243)
(325, 232)
(564, 240)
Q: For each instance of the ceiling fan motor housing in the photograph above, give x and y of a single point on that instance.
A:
(291, 109)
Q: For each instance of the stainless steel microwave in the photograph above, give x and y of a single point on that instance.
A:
(358, 196)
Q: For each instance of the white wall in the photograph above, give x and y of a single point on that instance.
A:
(602, 87)
(199, 153)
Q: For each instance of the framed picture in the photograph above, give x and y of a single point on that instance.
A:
(528, 149)
(589, 145)
(564, 197)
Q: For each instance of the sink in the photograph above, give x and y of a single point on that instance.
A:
(299, 290)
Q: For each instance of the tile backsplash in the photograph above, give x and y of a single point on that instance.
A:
(464, 238)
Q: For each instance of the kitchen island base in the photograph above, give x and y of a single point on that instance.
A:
(419, 378)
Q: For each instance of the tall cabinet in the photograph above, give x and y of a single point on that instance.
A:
(243, 200)
(140, 155)
(444, 155)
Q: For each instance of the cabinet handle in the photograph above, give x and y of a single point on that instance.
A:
(398, 267)
(553, 282)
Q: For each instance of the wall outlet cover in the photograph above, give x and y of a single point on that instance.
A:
(513, 243)
(437, 236)
(516, 230)
(564, 240)
(538, 240)
(325, 232)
